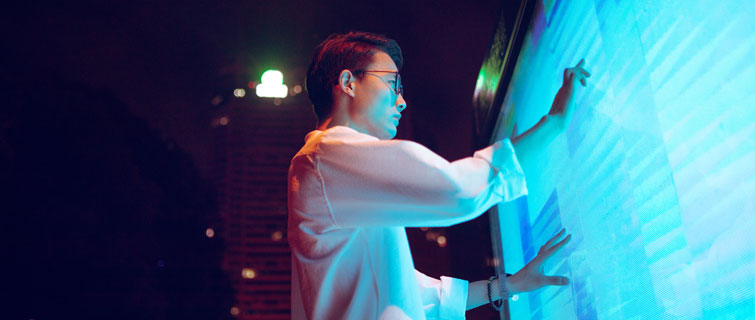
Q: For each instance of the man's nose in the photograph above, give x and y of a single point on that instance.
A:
(400, 103)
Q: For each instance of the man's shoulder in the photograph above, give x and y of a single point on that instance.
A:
(332, 136)
(341, 134)
(340, 142)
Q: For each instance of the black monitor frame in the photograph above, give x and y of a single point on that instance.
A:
(490, 92)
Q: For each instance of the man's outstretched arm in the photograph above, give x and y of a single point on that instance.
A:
(529, 278)
(478, 293)
(530, 144)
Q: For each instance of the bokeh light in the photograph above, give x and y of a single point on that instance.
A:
(248, 273)
(272, 85)
(216, 100)
(441, 241)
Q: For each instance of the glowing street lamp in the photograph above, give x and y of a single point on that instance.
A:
(272, 85)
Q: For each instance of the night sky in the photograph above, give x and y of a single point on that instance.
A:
(163, 59)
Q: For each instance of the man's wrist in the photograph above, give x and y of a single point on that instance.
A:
(506, 288)
(553, 125)
(513, 284)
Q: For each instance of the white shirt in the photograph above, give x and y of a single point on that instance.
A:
(351, 195)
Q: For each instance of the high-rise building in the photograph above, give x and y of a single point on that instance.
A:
(254, 140)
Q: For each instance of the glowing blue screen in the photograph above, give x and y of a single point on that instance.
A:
(655, 177)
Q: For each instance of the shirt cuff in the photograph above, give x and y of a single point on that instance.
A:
(453, 298)
(502, 158)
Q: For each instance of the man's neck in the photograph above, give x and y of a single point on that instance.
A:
(326, 124)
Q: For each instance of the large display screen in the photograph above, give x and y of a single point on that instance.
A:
(655, 176)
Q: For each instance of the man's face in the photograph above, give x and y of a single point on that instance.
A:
(376, 108)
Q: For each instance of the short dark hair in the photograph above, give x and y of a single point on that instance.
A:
(353, 51)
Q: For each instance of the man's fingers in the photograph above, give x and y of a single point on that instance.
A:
(577, 71)
(559, 245)
(556, 237)
(557, 281)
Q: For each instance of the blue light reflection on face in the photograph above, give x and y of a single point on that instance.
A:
(655, 177)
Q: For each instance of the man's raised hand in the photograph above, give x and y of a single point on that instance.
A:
(578, 73)
(564, 104)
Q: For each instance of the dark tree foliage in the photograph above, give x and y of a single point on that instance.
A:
(102, 218)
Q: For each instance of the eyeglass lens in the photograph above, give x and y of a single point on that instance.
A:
(399, 89)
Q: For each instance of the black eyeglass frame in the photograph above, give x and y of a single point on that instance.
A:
(398, 87)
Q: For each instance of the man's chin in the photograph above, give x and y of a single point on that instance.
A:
(388, 134)
(392, 133)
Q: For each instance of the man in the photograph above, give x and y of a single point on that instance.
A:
(353, 190)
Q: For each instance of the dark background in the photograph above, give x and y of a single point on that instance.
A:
(161, 59)
(138, 78)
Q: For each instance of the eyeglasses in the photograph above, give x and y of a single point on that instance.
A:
(397, 87)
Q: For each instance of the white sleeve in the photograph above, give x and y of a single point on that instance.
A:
(402, 183)
(443, 299)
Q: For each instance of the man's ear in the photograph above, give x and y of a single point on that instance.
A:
(346, 82)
